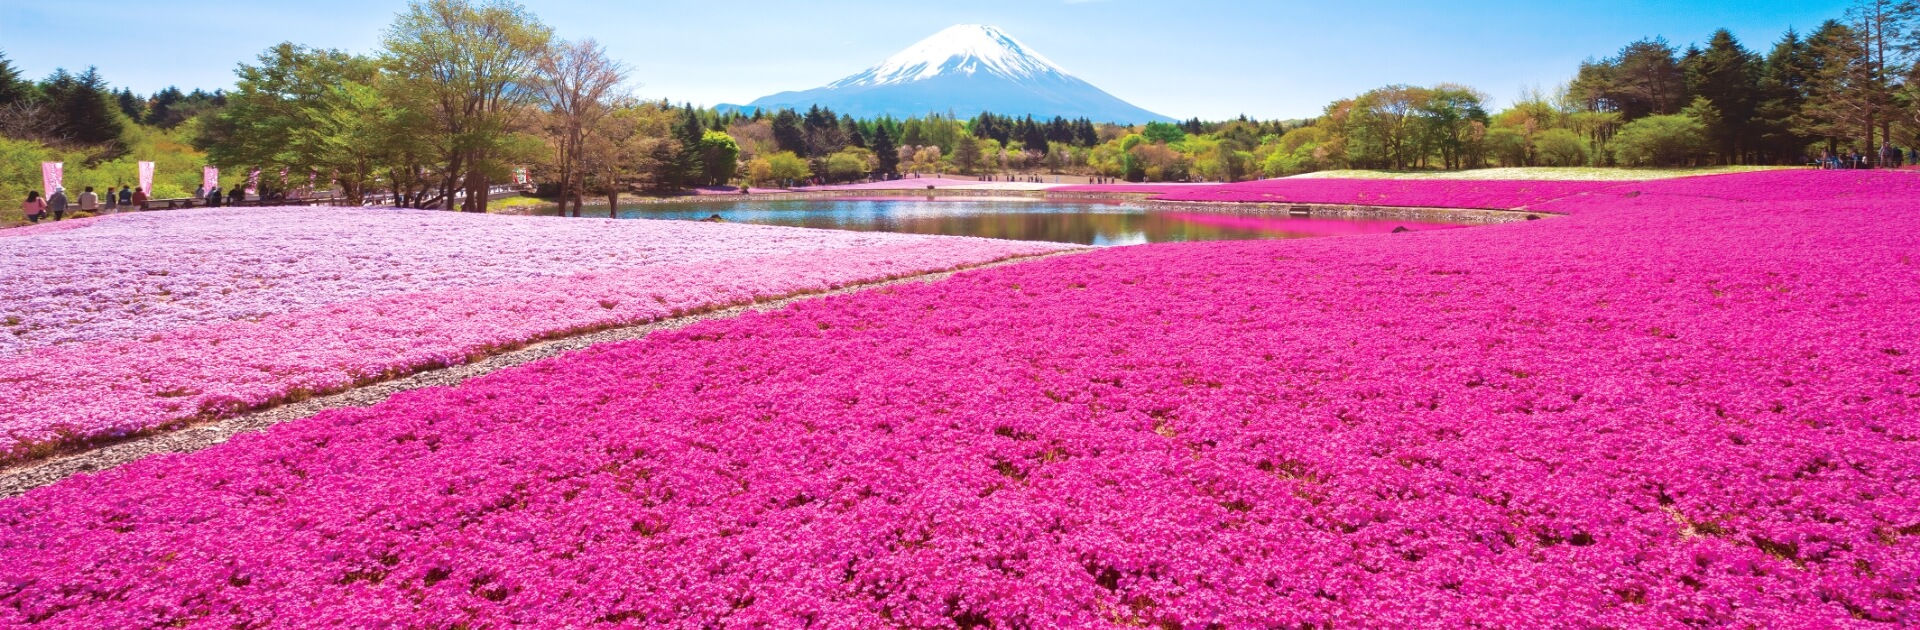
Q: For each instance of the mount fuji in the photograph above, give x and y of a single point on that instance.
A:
(966, 69)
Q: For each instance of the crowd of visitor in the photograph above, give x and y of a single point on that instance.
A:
(35, 208)
(1890, 157)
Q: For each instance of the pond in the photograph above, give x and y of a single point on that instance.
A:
(1015, 218)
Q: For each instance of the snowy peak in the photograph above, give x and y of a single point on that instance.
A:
(962, 71)
(964, 49)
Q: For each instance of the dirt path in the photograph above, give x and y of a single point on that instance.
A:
(25, 477)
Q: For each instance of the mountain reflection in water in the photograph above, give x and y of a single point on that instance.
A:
(1015, 218)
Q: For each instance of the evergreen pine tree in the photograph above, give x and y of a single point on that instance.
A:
(80, 104)
(884, 150)
(1779, 97)
(1727, 75)
(1036, 137)
(131, 105)
(161, 112)
(851, 128)
(12, 89)
(788, 134)
(687, 132)
(966, 153)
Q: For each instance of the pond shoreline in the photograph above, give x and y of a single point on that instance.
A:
(1475, 216)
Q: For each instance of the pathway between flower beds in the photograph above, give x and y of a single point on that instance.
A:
(1691, 403)
(136, 323)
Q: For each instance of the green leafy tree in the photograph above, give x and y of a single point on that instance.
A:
(967, 154)
(1454, 119)
(787, 167)
(304, 110)
(719, 157)
(849, 164)
(353, 135)
(1510, 147)
(470, 66)
(1385, 128)
(1164, 132)
(1674, 140)
(1561, 147)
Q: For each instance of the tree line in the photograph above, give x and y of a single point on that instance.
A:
(1847, 87)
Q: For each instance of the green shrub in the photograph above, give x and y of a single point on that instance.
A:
(1560, 147)
(1660, 141)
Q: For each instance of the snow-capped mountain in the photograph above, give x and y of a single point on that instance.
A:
(965, 69)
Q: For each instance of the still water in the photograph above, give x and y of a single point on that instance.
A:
(1016, 218)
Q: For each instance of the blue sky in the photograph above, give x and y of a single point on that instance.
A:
(1207, 58)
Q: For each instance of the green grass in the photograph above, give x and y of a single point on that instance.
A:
(516, 201)
(1585, 173)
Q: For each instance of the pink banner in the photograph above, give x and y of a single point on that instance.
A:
(210, 178)
(146, 178)
(51, 176)
(253, 182)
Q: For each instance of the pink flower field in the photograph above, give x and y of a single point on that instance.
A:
(1689, 403)
(132, 322)
(1429, 193)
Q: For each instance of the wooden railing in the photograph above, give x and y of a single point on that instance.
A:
(375, 199)
(182, 204)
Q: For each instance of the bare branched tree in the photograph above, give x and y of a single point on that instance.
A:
(576, 81)
(32, 120)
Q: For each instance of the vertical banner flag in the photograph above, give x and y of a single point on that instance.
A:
(146, 178)
(210, 178)
(51, 174)
(253, 182)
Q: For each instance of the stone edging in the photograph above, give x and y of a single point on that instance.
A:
(1342, 211)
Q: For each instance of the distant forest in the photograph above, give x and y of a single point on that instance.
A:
(391, 121)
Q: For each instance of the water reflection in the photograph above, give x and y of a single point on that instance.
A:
(1016, 218)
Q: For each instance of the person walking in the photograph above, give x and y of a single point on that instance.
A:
(213, 197)
(236, 196)
(200, 192)
(139, 199)
(58, 203)
(89, 202)
(33, 207)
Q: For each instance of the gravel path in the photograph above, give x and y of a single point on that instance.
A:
(23, 478)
